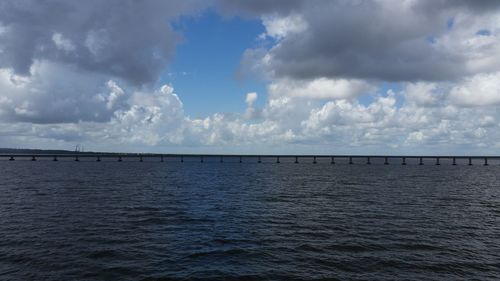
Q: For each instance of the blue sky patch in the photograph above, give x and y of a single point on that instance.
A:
(204, 71)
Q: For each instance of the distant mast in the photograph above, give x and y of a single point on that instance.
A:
(79, 148)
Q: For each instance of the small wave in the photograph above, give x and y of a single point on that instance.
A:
(220, 253)
(103, 254)
(356, 248)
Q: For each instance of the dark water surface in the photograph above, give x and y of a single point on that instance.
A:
(148, 221)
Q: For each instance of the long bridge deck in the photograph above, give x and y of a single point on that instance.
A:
(351, 159)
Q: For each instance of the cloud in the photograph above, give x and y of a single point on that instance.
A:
(479, 90)
(56, 93)
(381, 40)
(321, 88)
(63, 43)
(251, 98)
(281, 27)
(151, 119)
(130, 40)
(155, 119)
(80, 61)
(257, 7)
(87, 72)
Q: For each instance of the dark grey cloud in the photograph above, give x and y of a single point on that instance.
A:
(380, 40)
(476, 5)
(258, 7)
(262, 7)
(132, 40)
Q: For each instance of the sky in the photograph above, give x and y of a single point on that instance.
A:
(251, 76)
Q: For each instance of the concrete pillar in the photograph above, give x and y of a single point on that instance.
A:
(404, 161)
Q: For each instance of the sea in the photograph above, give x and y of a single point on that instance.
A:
(169, 220)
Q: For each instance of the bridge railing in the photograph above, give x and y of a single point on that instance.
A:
(277, 158)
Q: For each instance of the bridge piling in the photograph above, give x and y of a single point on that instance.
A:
(454, 159)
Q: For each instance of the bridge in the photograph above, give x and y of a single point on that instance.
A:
(277, 158)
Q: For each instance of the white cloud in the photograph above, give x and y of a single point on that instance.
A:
(478, 90)
(321, 88)
(63, 43)
(251, 98)
(156, 119)
(422, 94)
(279, 27)
(55, 93)
(251, 112)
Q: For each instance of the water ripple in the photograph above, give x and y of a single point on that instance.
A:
(193, 221)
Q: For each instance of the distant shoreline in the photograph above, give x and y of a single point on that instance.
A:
(46, 151)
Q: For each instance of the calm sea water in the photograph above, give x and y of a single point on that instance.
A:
(162, 221)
